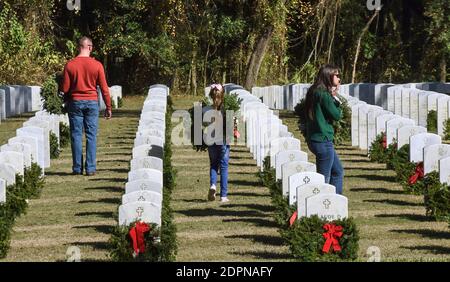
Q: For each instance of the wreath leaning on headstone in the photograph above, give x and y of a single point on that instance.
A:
(53, 100)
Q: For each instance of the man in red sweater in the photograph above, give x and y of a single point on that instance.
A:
(81, 77)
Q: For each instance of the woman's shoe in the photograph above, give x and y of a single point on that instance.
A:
(212, 193)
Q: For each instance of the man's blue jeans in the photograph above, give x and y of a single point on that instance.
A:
(219, 156)
(83, 115)
(328, 163)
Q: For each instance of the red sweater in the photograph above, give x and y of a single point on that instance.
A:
(81, 77)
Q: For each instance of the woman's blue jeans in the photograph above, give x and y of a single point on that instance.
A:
(83, 115)
(219, 156)
(328, 163)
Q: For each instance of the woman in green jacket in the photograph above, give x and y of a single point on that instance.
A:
(322, 108)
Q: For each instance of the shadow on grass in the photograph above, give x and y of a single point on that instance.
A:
(98, 214)
(394, 202)
(195, 201)
(106, 229)
(112, 161)
(95, 245)
(120, 180)
(372, 177)
(245, 183)
(415, 217)
(433, 234)
(115, 201)
(438, 250)
(254, 220)
(59, 173)
(246, 194)
(378, 190)
(107, 189)
(126, 113)
(263, 239)
(263, 208)
(265, 255)
(355, 160)
(217, 212)
(117, 170)
(241, 158)
(242, 164)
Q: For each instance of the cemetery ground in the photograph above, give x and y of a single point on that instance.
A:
(80, 211)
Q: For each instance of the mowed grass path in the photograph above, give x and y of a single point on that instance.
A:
(77, 210)
(240, 230)
(387, 218)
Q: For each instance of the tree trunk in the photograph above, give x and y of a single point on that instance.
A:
(358, 47)
(194, 72)
(257, 57)
(443, 68)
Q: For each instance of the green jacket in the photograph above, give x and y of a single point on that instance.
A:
(326, 110)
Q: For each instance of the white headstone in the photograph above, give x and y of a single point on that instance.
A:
(444, 170)
(381, 122)
(148, 150)
(22, 148)
(403, 133)
(309, 190)
(298, 179)
(442, 113)
(143, 185)
(288, 156)
(414, 105)
(423, 107)
(142, 211)
(2, 191)
(418, 142)
(8, 173)
(373, 113)
(147, 162)
(393, 125)
(406, 92)
(291, 168)
(362, 127)
(142, 196)
(328, 206)
(43, 142)
(432, 154)
(146, 173)
(32, 142)
(2, 104)
(355, 123)
(282, 144)
(13, 158)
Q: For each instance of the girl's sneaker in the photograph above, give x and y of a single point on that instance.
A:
(212, 193)
(224, 199)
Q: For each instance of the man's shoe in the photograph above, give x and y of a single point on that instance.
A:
(76, 173)
(90, 173)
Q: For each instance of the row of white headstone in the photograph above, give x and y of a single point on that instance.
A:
(143, 196)
(267, 136)
(19, 99)
(413, 100)
(368, 121)
(30, 145)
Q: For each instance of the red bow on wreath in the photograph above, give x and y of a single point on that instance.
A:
(333, 232)
(418, 174)
(293, 218)
(137, 236)
(384, 141)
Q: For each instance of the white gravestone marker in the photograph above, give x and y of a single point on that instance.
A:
(13, 158)
(292, 168)
(288, 156)
(302, 178)
(309, 190)
(8, 173)
(418, 142)
(143, 185)
(142, 211)
(403, 133)
(146, 173)
(432, 154)
(328, 206)
(147, 162)
(142, 196)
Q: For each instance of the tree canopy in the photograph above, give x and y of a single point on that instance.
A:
(190, 44)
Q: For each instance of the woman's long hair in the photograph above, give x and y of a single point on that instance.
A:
(324, 80)
(217, 95)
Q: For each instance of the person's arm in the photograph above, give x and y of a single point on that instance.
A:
(330, 106)
(105, 91)
(65, 85)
